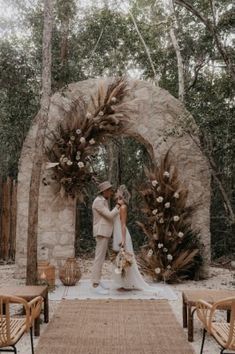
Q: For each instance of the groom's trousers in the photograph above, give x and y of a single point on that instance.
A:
(100, 253)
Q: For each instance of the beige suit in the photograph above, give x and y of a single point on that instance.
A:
(102, 231)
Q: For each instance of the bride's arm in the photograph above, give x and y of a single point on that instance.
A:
(123, 217)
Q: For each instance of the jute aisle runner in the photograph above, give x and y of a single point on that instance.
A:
(114, 327)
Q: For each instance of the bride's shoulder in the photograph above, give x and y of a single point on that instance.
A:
(123, 207)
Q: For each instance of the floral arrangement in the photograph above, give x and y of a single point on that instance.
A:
(78, 136)
(173, 249)
(122, 261)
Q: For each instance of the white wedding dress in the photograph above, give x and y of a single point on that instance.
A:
(133, 279)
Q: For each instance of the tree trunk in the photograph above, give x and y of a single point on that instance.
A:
(155, 75)
(39, 144)
(212, 29)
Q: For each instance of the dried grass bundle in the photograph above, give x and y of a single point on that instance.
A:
(77, 137)
(173, 249)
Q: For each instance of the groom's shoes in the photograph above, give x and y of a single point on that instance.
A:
(99, 290)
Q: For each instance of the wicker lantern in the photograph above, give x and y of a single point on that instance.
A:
(70, 273)
(46, 273)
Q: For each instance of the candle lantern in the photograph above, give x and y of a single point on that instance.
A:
(70, 273)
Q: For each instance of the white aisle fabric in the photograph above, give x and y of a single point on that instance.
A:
(83, 290)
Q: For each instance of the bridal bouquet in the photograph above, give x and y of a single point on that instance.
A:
(122, 261)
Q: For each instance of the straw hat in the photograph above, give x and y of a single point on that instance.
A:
(104, 186)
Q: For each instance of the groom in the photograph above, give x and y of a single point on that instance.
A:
(103, 220)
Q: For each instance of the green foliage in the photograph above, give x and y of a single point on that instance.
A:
(18, 103)
(102, 41)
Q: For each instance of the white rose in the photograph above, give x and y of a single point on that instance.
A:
(92, 141)
(69, 163)
(160, 245)
(159, 189)
(72, 138)
(101, 113)
(113, 99)
(80, 164)
(154, 183)
(169, 257)
(176, 218)
(167, 205)
(161, 221)
(78, 131)
(169, 233)
(82, 140)
(166, 174)
(165, 249)
(176, 195)
(168, 267)
(154, 211)
(65, 159)
(150, 253)
(157, 270)
(180, 234)
(159, 199)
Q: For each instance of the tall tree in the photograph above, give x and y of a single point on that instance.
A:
(170, 12)
(213, 29)
(39, 144)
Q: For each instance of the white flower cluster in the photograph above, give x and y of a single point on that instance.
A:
(82, 140)
(154, 183)
(160, 245)
(92, 141)
(78, 155)
(159, 199)
(166, 174)
(80, 164)
(150, 253)
(169, 257)
(157, 270)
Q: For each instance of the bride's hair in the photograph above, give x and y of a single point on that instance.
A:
(122, 192)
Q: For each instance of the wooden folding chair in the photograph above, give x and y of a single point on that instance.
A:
(13, 327)
(222, 331)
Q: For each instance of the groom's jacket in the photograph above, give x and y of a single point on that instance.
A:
(103, 217)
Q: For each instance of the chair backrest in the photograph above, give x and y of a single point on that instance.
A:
(35, 306)
(229, 304)
(5, 318)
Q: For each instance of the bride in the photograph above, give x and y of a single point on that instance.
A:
(121, 238)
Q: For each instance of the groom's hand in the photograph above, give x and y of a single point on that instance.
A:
(120, 201)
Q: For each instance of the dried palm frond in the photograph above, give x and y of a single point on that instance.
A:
(77, 137)
(173, 249)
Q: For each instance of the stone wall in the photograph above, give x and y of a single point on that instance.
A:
(159, 121)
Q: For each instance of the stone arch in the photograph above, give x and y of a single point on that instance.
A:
(159, 122)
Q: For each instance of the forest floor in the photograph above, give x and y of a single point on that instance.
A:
(219, 277)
